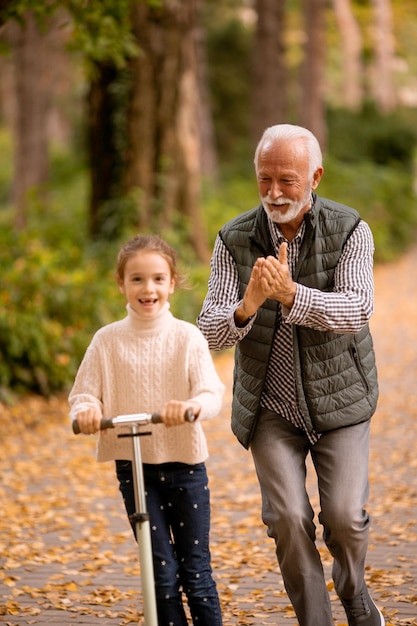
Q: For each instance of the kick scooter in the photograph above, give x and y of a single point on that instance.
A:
(141, 517)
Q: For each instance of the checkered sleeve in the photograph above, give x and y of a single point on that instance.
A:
(350, 305)
(216, 319)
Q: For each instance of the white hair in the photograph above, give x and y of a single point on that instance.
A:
(286, 132)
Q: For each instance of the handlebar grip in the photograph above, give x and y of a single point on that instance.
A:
(188, 416)
(105, 423)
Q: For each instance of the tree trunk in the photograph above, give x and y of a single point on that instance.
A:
(384, 51)
(269, 79)
(102, 151)
(164, 132)
(208, 147)
(32, 101)
(312, 102)
(351, 45)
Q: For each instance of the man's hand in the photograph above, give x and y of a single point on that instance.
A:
(254, 295)
(276, 279)
(270, 278)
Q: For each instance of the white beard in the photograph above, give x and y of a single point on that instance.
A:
(294, 208)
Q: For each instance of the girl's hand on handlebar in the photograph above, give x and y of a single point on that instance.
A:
(89, 421)
(173, 413)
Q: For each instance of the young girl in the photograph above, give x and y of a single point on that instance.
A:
(152, 362)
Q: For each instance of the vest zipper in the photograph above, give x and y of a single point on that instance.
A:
(357, 361)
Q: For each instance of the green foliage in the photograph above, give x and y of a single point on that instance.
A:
(372, 136)
(187, 300)
(228, 52)
(51, 300)
(371, 166)
(382, 195)
(102, 28)
(54, 290)
(16, 10)
(228, 199)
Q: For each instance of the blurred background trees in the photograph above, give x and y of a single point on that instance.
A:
(126, 115)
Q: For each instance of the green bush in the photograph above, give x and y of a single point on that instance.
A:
(228, 52)
(228, 199)
(370, 165)
(382, 195)
(383, 139)
(51, 301)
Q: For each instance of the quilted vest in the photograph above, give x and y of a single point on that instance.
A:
(335, 374)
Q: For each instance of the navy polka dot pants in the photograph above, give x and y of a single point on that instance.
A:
(178, 503)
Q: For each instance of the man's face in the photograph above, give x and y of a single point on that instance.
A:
(284, 180)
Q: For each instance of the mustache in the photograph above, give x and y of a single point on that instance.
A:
(277, 201)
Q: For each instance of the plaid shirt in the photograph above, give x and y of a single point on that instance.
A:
(345, 310)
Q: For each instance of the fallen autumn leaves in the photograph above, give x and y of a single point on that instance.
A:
(66, 551)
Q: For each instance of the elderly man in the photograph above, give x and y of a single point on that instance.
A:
(291, 285)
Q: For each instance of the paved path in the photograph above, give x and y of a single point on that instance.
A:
(66, 553)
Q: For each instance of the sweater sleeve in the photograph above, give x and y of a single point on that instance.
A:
(87, 389)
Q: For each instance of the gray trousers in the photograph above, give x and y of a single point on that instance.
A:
(340, 459)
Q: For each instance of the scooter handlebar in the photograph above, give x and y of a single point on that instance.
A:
(134, 418)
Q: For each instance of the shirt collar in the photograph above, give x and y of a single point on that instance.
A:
(277, 237)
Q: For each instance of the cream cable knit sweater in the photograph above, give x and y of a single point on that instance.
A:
(136, 365)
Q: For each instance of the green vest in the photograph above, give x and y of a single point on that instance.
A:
(335, 374)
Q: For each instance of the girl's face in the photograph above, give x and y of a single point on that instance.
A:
(147, 283)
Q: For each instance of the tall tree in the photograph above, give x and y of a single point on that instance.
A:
(102, 32)
(208, 147)
(104, 158)
(352, 50)
(144, 132)
(269, 104)
(31, 97)
(312, 97)
(163, 124)
(383, 89)
(143, 110)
